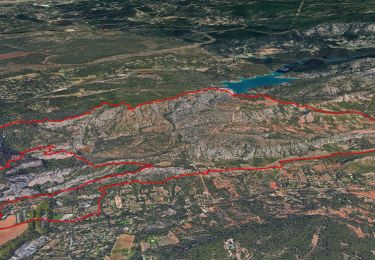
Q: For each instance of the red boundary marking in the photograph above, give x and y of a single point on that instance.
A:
(49, 151)
(182, 94)
(103, 192)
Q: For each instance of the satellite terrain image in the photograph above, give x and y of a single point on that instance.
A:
(176, 129)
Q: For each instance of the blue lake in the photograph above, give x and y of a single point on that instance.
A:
(273, 79)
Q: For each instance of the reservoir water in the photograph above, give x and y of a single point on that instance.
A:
(273, 79)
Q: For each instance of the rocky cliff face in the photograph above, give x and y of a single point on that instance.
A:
(340, 29)
(210, 127)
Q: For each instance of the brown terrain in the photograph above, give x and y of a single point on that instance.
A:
(367, 194)
(123, 242)
(16, 54)
(9, 234)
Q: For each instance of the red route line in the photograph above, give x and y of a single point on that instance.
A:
(103, 192)
(49, 151)
(182, 94)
